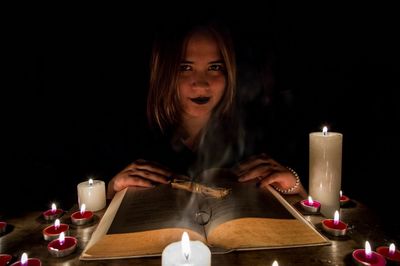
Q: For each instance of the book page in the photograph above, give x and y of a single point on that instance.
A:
(147, 220)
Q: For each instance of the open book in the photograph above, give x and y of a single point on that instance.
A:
(142, 222)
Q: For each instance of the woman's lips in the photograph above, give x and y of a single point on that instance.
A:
(200, 100)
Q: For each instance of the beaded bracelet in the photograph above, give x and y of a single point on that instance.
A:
(289, 190)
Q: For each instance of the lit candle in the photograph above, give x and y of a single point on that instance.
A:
(54, 231)
(334, 227)
(93, 194)
(325, 167)
(82, 217)
(52, 213)
(275, 263)
(186, 252)
(62, 246)
(343, 199)
(368, 257)
(3, 227)
(310, 205)
(5, 259)
(27, 262)
(391, 254)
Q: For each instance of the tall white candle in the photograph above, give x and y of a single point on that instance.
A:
(186, 252)
(325, 169)
(92, 193)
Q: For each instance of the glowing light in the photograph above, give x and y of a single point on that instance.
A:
(57, 223)
(325, 130)
(53, 208)
(368, 252)
(24, 259)
(83, 208)
(336, 218)
(61, 238)
(90, 182)
(392, 249)
(185, 245)
(275, 263)
(341, 194)
(310, 200)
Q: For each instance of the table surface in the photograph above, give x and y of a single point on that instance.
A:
(24, 234)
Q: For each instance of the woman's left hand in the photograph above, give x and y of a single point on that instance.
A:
(267, 171)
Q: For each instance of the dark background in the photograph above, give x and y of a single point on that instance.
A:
(75, 84)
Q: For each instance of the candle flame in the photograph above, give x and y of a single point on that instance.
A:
(368, 252)
(61, 238)
(83, 208)
(185, 245)
(53, 208)
(336, 218)
(310, 200)
(90, 182)
(340, 193)
(57, 223)
(325, 130)
(24, 258)
(392, 249)
(275, 263)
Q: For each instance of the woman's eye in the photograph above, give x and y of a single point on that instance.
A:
(216, 68)
(185, 68)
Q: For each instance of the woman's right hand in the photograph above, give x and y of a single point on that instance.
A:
(140, 173)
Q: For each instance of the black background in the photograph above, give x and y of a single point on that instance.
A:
(75, 82)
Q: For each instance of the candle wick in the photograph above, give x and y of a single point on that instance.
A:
(186, 256)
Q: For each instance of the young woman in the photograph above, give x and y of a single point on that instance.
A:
(191, 106)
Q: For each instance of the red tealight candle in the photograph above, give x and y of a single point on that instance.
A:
(368, 257)
(54, 231)
(343, 199)
(310, 205)
(82, 217)
(53, 213)
(334, 227)
(27, 262)
(390, 253)
(62, 246)
(3, 227)
(5, 259)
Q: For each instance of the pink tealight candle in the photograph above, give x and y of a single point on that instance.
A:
(27, 262)
(53, 231)
(5, 259)
(390, 253)
(310, 205)
(334, 227)
(53, 213)
(62, 246)
(3, 227)
(82, 217)
(343, 199)
(368, 257)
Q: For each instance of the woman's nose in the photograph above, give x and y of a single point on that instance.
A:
(200, 80)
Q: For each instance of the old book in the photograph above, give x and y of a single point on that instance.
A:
(142, 222)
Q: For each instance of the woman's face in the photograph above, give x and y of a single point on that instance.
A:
(202, 76)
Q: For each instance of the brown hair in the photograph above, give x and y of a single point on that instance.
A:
(163, 108)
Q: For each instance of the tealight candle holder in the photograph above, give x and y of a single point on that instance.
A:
(391, 254)
(310, 205)
(53, 213)
(53, 231)
(3, 227)
(27, 262)
(343, 199)
(334, 226)
(5, 259)
(82, 217)
(63, 246)
(368, 257)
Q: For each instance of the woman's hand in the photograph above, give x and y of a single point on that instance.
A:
(267, 171)
(140, 173)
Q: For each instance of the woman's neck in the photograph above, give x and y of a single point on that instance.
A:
(193, 127)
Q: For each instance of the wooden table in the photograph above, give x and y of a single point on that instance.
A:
(24, 234)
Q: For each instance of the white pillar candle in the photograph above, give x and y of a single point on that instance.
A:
(325, 169)
(196, 253)
(92, 193)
